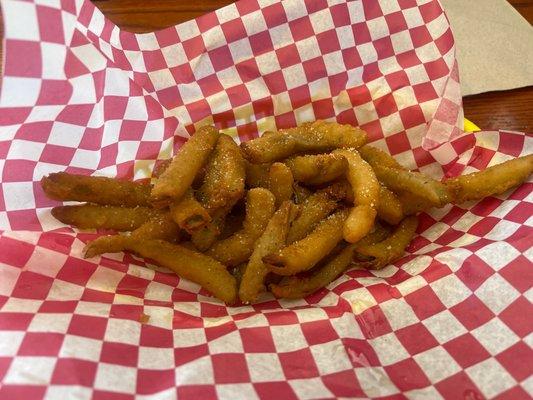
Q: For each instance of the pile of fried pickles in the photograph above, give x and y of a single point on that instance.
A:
(287, 212)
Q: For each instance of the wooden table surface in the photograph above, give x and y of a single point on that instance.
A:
(511, 109)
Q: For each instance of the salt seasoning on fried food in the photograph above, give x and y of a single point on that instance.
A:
(317, 169)
(365, 188)
(273, 238)
(491, 181)
(179, 175)
(94, 216)
(318, 136)
(224, 178)
(188, 213)
(236, 249)
(63, 186)
(307, 252)
(280, 182)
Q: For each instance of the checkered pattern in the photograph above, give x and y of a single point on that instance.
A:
(447, 321)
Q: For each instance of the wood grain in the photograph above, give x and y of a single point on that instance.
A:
(511, 109)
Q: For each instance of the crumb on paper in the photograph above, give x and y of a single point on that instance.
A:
(144, 318)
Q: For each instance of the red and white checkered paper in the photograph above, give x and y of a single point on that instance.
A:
(450, 320)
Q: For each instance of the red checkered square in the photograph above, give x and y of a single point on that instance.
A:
(299, 364)
(301, 28)
(10, 321)
(132, 285)
(466, 350)
(17, 169)
(338, 383)
(206, 392)
(257, 340)
(206, 22)
(385, 105)
(185, 355)
(193, 47)
(279, 390)
(14, 252)
(22, 392)
(474, 280)
(396, 22)
(458, 386)
(407, 375)
(87, 326)
(472, 312)
(151, 382)
(420, 35)
(425, 303)
(515, 393)
(318, 332)
(25, 58)
(71, 371)
(515, 360)
(50, 25)
(328, 42)
(375, 322)
(31, 285)
(518, 274)
(513, 317)
(5, 362)
(436, 69)
(274, 15)
(230, 368)
(40, 344)
(106, 395)
(416, 338)
(372, 10)
(384, 48)
(220, 58)
(119, 354)
(233, 30)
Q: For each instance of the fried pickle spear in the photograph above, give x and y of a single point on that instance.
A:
(375, 156)
(188, 264)
(158, 227)
(224, 179)
(297, 288)
(204, 238)
(272, 239)
(379, 255)
(307, 252)
(260, 205)
(422, 189)
(365, 188)
(257, 174)
(294, 287)
(317, 169)
(313, 210)
(491, 181)
(413, 204)
(92, 216)
(389, 208)
(188, 213)
(420, 185)
(280, 182)
(179, 175)
(318, 136)
(95, 189)
(300, 193)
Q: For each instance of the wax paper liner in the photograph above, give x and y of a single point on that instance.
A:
(449, 320)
